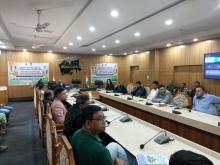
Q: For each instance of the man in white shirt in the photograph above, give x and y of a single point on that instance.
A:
(154, 90)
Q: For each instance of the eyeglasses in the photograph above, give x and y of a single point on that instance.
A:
(100, 120)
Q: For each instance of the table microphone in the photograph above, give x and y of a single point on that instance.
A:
(142, 145)
(108, 122)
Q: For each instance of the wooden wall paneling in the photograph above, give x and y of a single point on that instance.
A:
(192, 54)
(86, 61)
(158, 65)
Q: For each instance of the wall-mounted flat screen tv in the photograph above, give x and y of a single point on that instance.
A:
(212, 66)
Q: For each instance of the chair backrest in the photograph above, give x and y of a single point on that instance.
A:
(91, 94)
(35, 98)
(51, 140)
(218, 109)
(49, 109)
(76, 81)
(130, 88)
(182, 100)
(99, 83)
(40, 116)
(65, 153)
(147, 90)
(59, 127)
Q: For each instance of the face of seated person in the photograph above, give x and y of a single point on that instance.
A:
(138, 85)
(49, 97)
(86, 103)
(117, 84)
(62, 96)
(199, 92)
(96, 125)
(162, 90)
(154, 86)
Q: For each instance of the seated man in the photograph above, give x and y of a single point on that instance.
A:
(171, 87)
(184, 157)
(192, 92)
(163, 96)
(119, 88)
(57, 107)
(73, 119)
(139, 91)
(183, 88)
(154, 90)
(87, 145)
(204, 102)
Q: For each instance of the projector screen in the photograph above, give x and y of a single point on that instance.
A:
(212, 66)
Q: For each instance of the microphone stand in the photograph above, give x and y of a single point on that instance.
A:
(142, 145)
(108, 122)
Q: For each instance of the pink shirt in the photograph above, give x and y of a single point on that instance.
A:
(58, 111)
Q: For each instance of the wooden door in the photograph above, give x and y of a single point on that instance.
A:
(134, 71)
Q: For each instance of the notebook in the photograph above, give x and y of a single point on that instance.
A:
(144, 159)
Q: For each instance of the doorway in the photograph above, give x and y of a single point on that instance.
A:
(134, 70)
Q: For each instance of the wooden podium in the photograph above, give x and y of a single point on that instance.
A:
(3, 95)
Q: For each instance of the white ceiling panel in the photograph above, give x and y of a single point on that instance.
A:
(71, 18)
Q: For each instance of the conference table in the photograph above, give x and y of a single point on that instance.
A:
(195, 126)
(131, 134)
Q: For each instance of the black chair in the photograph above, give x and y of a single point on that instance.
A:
(76, 83)
(99, 83)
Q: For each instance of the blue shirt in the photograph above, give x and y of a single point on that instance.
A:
(206, 104)
(140, 91)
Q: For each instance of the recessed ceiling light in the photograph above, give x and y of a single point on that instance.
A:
(93, 50)
(114, 13)
(208, 41)
(64, 47)
(70, 44)
(168, 45)
(195, 39)
(103, 46)
(117, 41)
(147, 52)
(137, 34)
(79, 38)
(3, 47)
(169, 22)
(125, 53)
(136, 51)
(110, 54)
(91, 28)
(181, 46)
(134, 54)
(24, 50)
(0, 42)
(50, 51)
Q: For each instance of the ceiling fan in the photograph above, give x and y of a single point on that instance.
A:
(39, 27)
